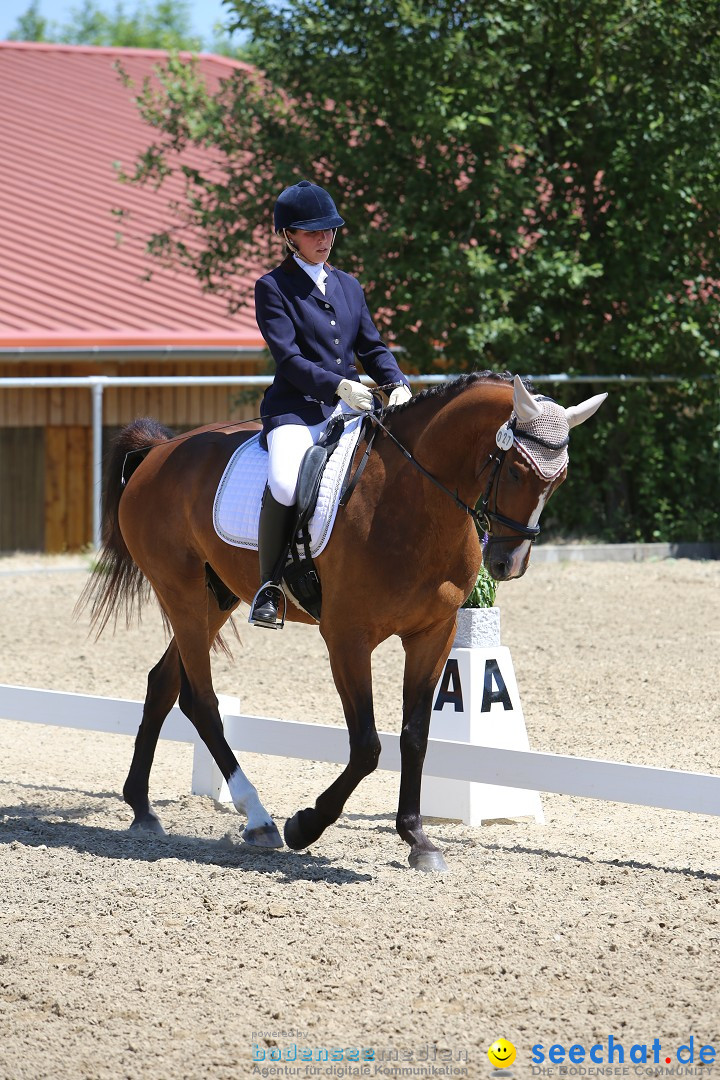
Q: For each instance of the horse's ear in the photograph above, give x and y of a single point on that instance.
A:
(525, 406)
(578, 414)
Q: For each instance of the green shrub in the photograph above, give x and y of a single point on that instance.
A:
(483, 595)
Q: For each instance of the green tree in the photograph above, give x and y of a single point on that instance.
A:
(164, 25)
(31, 25)
(525, 183)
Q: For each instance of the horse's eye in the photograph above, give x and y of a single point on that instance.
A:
(517, 470)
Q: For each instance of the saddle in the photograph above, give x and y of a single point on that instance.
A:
(308, 533)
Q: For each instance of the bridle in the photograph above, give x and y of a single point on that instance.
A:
(495, 463)
(482, 514)
(506, 436)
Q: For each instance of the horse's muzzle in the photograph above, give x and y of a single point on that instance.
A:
(503, 563)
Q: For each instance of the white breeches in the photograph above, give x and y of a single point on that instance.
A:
(287, 446)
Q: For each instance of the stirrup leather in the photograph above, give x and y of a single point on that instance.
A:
(278, 624)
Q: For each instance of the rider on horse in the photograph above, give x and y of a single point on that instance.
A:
(316, 323)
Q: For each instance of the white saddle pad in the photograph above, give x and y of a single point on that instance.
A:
(236, 510)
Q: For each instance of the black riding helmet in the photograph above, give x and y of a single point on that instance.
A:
(306, 206)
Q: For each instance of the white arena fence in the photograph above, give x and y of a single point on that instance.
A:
(641, 785)
(97, 384)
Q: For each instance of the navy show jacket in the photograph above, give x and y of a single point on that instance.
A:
(314, 340)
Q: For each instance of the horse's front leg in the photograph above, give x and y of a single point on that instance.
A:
(425, 656)
(350, 663)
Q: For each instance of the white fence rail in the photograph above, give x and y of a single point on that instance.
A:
(641, 785)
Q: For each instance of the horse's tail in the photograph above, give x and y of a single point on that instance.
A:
(117, 581)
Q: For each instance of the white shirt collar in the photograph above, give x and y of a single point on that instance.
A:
(316, 271)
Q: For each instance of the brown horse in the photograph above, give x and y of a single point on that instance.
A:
(403, 556)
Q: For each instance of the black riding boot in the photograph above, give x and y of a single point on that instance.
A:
(273, 537)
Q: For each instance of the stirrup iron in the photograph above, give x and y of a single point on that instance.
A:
(278, 624)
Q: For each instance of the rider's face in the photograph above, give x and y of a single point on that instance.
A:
(313, 247)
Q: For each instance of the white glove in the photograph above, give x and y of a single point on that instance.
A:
(355, 395)
(399, 395)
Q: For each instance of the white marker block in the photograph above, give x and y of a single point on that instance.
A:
(477, 701)
(206, 776)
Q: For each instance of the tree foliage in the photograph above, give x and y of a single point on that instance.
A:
(31, 25)
(164, 25)
(527, 184)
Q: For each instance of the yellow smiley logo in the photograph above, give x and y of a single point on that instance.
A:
(501, 1053)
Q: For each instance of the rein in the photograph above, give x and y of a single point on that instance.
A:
(478, 518)
(481, 514)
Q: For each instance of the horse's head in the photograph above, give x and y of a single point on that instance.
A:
(529, 464)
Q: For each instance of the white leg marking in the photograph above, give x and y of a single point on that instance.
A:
(246, 800)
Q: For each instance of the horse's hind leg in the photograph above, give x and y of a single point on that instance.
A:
(163, 688)
(198, 701)
(165, 682)
(350, 662)
(425, 655)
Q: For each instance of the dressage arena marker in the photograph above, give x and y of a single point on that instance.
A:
(477, 701)
(641, 785)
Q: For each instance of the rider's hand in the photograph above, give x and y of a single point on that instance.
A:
(355, 395)
(400, 395)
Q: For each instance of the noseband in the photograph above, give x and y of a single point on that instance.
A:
(481, 514)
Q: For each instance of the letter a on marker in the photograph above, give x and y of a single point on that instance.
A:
(450, 692)
(491, 695)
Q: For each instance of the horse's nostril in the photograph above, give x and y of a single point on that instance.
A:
(499, 569)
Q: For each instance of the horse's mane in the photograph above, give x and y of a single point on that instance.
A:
(448, 390)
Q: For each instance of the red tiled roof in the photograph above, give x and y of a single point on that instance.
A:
(65, 118)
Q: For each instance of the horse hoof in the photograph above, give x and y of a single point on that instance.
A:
(428, 862)
(266, 836)
(305, 828)
(293, 833)
(148, 823)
